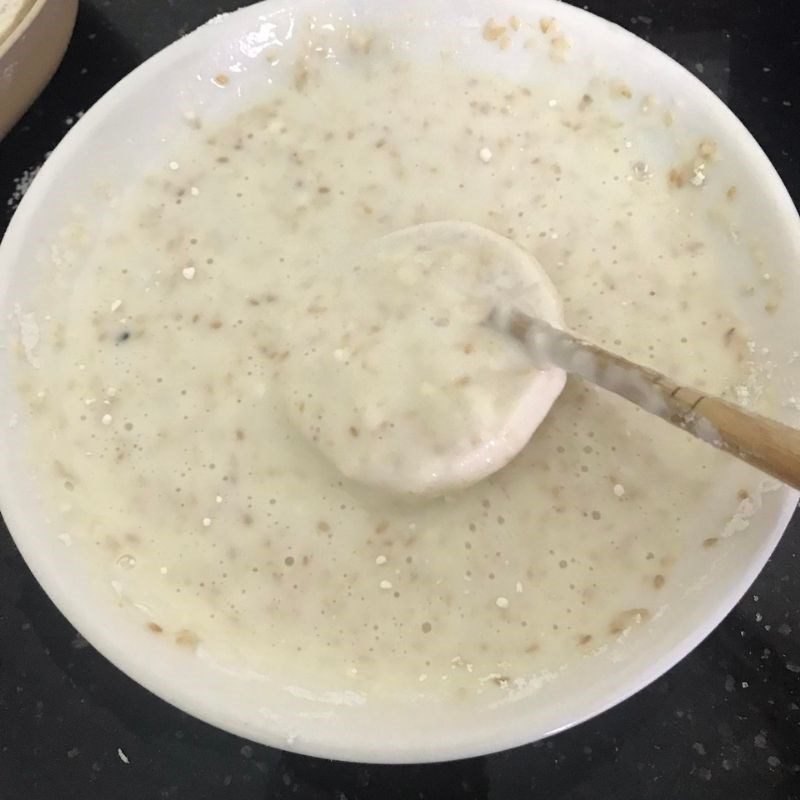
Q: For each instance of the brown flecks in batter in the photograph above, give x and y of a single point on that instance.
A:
(625, 619)
(492, 31)
(707, 149)
(676, 179)
(548, 24)
(301, 77)
(187, 638)
(559, 48)
(619, 88)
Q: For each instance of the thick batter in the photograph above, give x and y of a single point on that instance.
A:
(170, 349)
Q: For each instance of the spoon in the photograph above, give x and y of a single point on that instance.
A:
(771, 446)
(396, 377)
(392, 372)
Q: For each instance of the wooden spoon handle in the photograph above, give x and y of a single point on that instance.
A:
(770, 446)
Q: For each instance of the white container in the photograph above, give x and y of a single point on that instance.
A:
(124, 133)
(31, 53)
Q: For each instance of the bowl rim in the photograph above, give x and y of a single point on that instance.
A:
(139, 668)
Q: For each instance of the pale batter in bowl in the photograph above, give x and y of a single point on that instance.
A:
(161, 398)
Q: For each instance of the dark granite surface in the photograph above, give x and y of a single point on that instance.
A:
(725, 722)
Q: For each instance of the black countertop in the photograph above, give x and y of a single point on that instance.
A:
(725, 722)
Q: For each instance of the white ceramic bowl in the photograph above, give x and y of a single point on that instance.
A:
(31, 53)
(124, 133)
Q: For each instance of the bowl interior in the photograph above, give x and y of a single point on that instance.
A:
(126, 133)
